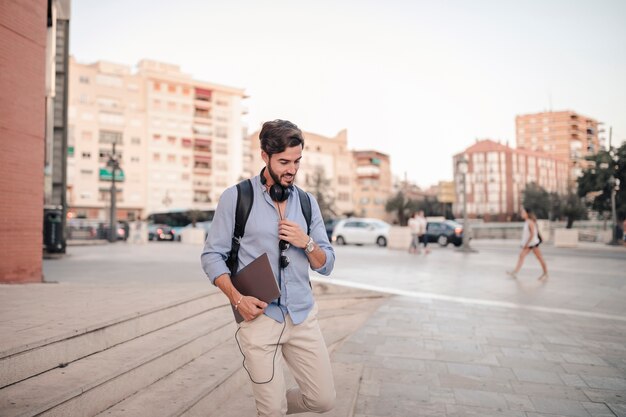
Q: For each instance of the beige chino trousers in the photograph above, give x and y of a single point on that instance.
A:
(302, 347)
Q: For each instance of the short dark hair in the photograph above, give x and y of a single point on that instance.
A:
(277, 135)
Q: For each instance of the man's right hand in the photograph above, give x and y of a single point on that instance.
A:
(251, 307)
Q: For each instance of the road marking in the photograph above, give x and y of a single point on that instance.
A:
(465, 300)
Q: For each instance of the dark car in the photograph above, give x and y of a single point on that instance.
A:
(160, 232)
(330, 226)
(444, 232)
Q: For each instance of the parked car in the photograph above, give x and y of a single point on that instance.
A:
(160, 232)
(444, 232)
(361, 231)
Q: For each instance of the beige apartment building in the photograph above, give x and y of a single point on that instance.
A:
(562, 134)
(373, 184)
(497, 175)
(179, 140)
(325, 156)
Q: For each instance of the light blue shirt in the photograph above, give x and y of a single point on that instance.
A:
(261, 236)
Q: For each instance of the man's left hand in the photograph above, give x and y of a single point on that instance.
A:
(291, 232)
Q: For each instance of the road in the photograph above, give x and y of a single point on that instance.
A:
(587, 279)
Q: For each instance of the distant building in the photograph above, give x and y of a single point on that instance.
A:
(325, 156)
(563, 134)
(179, 140)
(373, 184)
(497, 175)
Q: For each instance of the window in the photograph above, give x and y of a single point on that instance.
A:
(171, 158)
(135, 141)
(157, 86)
(87, 171)
(86, 155)
(83, 79)
(156, 138)
(134, 159)
(156, 157)
(171, 106)
(186, 91)
(185, 160)
(171, 88)
(108, 136)
(171, 140)
(221, 132)
(86, 136)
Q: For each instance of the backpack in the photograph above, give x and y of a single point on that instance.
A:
(245, 198)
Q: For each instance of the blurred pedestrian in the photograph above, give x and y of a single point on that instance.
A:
(140, 232)
(421, 231)
(414, 228)
(531, 239)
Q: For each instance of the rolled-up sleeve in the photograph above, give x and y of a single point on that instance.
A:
(318, 233)
(219, 238)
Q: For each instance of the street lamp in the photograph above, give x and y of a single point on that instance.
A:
(614, 184)
(462, 167)
(114, 164)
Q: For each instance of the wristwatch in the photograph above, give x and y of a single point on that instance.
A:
(310, 246)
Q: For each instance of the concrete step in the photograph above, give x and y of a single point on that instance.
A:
(22, 362)
(93, 384)
(216, 373)
(337, 323)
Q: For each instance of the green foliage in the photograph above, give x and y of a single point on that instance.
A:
(595, 185)
(402, 206)
(537, 199)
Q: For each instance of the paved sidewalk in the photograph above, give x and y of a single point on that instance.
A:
(449, 347)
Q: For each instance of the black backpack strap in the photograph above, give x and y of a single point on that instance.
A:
(305, 205)
(245, 198)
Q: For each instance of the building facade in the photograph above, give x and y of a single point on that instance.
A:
(22, 133)
(497, 175)
(326, 160)
(179, 140)
(563, 134)
(373, 184)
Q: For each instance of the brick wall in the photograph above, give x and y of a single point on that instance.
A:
(22, 130)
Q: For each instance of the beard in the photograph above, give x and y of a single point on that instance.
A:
(277, 180)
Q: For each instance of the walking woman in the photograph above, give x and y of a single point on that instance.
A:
(530, 243)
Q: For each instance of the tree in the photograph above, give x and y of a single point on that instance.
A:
(573, 209)
(322, 192)
(402, 206)
(537, 199)
(595, 186)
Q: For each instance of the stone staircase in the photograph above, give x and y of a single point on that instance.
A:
(176, 360)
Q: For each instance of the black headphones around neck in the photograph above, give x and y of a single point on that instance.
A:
(277, 192)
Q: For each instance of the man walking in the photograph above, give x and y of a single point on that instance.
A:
(286, 328)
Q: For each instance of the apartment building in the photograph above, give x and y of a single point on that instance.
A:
(562, 134)
(325, 157)
(373, 184)
(179, 140)
(497, 175)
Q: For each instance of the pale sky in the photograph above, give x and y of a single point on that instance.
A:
(419, 80)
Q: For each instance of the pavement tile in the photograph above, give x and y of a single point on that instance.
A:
(605, 382)
(573, 380)
(584, 359)
(604, 396)
(598, 409)
(591, 370)
(549, 391)
(480, 398)
(533, 375)
(559, 406)
(618, 409)
(458, 410)
(519, 402)
(469, 370)
(476, 383)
